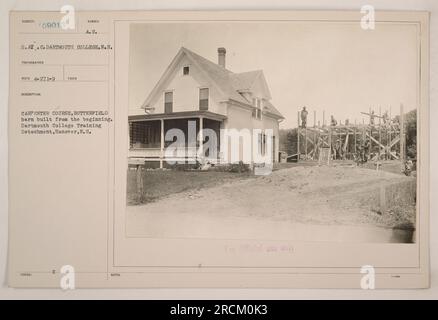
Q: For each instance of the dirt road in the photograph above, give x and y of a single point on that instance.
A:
(303, 199)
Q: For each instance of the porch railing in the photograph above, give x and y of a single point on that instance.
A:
(138, 154)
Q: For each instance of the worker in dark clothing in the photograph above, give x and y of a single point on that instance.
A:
(337, 150)
(333, 121)
(304, 114)
(366, 149)
(359, 155)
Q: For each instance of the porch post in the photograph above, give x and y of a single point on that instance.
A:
(201, 137)
(161, 143)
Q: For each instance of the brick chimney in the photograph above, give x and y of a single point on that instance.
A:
(221, 56)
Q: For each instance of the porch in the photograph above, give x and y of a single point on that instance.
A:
(150, 137)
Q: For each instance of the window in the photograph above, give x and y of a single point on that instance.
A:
(203, 99)
(257, 111)
(186, 70)
(168, 102)
(261, 144)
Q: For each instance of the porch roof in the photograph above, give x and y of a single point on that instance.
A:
(178, 115)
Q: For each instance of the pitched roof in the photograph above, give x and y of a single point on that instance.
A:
(229, 83)
(218, 74)
(245, 80)
(269, 107)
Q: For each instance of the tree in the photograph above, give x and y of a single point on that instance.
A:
(411, 133)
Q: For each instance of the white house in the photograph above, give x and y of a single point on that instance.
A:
(197, 91)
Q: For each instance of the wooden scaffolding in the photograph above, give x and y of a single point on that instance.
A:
(386, 139)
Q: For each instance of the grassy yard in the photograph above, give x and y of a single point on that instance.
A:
(161, 183)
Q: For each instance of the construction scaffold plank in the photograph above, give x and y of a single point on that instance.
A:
(382, 140)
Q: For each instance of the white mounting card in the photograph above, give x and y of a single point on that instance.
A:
(219, 149)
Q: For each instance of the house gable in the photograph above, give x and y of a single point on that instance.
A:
(251, 84)
(260, 88)
(224, 86)
(185, 88)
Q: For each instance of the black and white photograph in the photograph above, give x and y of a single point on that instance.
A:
(252, 149)
(301, 131)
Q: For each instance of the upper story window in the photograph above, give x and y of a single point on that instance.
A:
(186, 70)
(257, 111)
(168, 102)
(203, 98)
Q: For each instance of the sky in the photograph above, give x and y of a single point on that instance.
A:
(334, 67)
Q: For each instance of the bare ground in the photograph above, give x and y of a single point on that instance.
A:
(317, 196)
